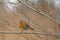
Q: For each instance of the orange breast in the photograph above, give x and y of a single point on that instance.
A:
(21, 24)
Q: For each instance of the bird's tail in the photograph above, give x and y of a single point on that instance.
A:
(31, 28)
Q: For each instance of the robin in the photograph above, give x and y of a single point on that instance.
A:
(24, 26)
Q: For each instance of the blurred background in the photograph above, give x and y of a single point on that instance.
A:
(42, 15)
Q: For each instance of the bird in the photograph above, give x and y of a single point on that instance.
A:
(24, 26)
